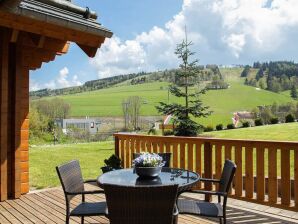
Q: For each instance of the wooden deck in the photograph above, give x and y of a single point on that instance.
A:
(48, 206)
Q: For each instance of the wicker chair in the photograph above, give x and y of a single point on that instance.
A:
(166, 156)
(72, 183)
(141, 205)
(201, 208)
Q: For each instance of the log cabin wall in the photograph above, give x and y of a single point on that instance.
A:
(14, 119)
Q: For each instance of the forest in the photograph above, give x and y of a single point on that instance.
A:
(273, 76)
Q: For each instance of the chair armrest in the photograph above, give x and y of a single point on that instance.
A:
(206, 192)
(176, 211)
(90, 181)
(209, 192)
(210, 180)
(86, 192)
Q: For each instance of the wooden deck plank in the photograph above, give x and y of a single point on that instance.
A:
(55, 216)
(59, 198)
(34, 212)
(17, 214)
(8, 215)
(49, 207)
(23, 211)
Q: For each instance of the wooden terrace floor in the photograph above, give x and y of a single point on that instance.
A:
(47, 206)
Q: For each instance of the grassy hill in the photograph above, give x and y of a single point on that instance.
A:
(277, 132)
(239, 97)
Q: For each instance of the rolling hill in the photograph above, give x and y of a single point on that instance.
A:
(238, 97)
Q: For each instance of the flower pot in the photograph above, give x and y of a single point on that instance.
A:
(148, 171)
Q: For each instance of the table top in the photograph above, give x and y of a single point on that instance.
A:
(126, 177)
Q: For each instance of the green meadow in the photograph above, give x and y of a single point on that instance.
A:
(277, 132)
(223, 103)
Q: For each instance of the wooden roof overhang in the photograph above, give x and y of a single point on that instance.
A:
(46, 31)
(33, 32)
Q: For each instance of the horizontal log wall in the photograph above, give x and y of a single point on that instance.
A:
(260, 164)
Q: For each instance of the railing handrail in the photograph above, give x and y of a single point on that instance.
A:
(209, 139)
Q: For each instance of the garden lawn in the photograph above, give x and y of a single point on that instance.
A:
(44, 159)
(277, 132)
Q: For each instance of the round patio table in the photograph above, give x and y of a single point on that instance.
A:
(126, 177)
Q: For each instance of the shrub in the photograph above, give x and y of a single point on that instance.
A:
(258, 122)
(168, 132)
(274, 120)
(219, 127)
(208, 128)
(230, 126)
(290, 118)
(246, 124)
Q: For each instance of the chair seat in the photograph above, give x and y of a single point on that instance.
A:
(89, 209)
(202, 208)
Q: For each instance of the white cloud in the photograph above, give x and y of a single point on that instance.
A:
(63, 80)
(223, 32)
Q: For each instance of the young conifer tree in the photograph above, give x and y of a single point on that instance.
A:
(182, 88)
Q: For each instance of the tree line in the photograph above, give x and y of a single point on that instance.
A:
(273, 76)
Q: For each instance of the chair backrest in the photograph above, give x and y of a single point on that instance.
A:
(141, 204)
(166, 156)
(227, 176)
(70, 176)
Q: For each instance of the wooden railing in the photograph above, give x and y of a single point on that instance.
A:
(267, 171)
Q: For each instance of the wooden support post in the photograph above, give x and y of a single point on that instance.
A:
(15, 83)
(4, 52)
(208, 168)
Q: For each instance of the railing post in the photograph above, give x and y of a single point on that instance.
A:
(208, 168)
(117, 146)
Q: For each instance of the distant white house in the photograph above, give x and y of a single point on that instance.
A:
(91, 125)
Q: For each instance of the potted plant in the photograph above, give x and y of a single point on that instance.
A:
(148, 165)
(112, 163)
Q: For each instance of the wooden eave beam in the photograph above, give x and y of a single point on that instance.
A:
(14, 36)
(46, 43)
(49, 30)
(90, 51)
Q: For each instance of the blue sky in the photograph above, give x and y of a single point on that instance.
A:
(126, 19)
(147, 31)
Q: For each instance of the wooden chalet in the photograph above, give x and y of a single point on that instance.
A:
(33, 32)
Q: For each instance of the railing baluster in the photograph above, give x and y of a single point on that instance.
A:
(132, 145)
(137, 146)
(143, 145)
(296, 177)
(190, 165)
(218, 160)
(182, 155)
(228, 152)
(238, 175)
(208, 168)
(154, 147)
(272, 175)
(260, 175)
(285, 177)
(249, 172)
(127, 153)
(175, 155)
(168, 147)
(198, 161)
(117, 144)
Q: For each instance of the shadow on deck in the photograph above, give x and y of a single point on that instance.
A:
(48, 206)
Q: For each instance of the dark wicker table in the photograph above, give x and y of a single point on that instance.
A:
(126, 177)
